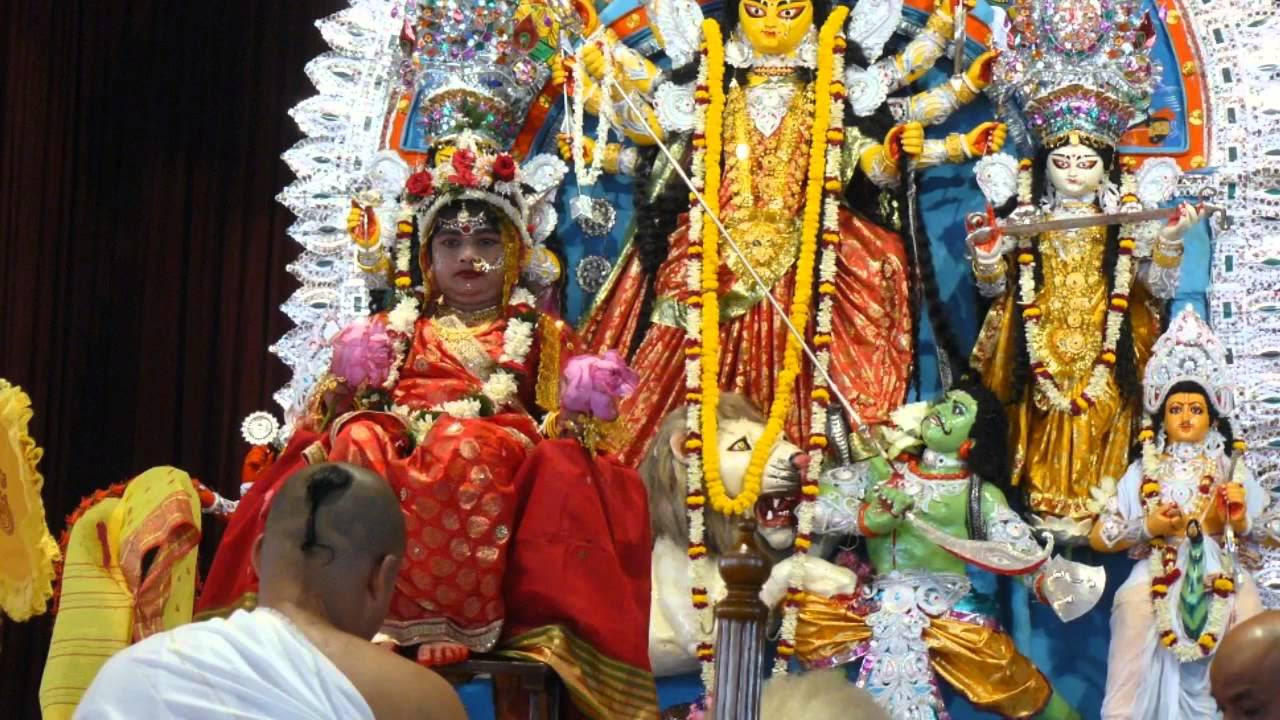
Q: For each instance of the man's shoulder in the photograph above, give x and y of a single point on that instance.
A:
(396, 686)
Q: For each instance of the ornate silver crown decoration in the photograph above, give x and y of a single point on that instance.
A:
(1075, 71)
(474, 72)
(1188, 350)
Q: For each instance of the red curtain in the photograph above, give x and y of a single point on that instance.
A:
(142, 254)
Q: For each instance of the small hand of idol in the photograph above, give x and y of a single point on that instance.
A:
(1166, 519)
(979, 72)
(987, 137)
(908, 138)
(1188, 215)
(887, 509)
(561, 71)
(985, 250)
(946, 8)
(1230, 506)
(593, 59)
(565, 142)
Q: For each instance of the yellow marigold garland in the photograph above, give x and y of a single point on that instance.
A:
(784, 388)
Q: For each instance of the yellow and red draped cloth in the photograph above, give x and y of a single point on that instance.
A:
(968, 650)
(577, 584)
(130, 572)
(1058, 457)
(871, 334)
(27, 550)
(457, 489)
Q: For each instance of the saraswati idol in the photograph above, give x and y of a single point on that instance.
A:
(1074, 311)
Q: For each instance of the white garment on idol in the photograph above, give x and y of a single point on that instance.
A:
(1146, 681)
(252, 666)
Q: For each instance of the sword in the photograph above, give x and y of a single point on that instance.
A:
(995, 557)
(1228, 532)
(984, 233)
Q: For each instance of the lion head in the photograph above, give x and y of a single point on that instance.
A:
(740, 427)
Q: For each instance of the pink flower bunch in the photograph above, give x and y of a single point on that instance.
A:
(593, 384)
(363, 353)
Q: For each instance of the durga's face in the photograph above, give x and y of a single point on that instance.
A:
(775, 27)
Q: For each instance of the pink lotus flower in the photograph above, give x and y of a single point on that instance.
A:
(593, 384)
(363, 353)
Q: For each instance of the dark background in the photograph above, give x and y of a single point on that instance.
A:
(142, 254)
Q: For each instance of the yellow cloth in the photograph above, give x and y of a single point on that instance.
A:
(27, 550)
(1058, 456)
(602, 688)
(107, 601)
(980, 663)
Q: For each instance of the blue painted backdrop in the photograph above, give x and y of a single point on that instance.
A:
(1073, 657)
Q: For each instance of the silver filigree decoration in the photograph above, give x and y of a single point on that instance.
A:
(592, 272)
(926, 491)
(865, 89)
(674, 106)
(997, 176)
(260, 428)
(840, 499)
(594, 215)
(679, 24)
(767, 105)
(896, 671)
(872, 23)
(1156, 180)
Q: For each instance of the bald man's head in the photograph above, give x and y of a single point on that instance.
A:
(334, 537)
(1245, 674)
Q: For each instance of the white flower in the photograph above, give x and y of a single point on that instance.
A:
(521, 296)
(692, 371)
(516, 341)
(827, 270)
(403, 315)
(417, 421)
(500, 388)
(462, 409)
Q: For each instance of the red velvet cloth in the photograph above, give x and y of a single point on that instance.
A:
(580, 556)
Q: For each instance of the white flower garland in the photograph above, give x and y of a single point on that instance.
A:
(462, 409)
(418, 422)
(501, 388)
(517, 339)
(588, 176)
(820, 397)
(700, 566)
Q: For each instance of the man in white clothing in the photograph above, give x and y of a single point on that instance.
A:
(327, 561)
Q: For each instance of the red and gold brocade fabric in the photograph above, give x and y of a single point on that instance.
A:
(578, 582)
(870, 350)
(457, 488)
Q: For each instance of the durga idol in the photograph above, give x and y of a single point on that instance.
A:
(790, 139)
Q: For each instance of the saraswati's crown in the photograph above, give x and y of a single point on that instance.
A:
(1079, 70)
(473, 72)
